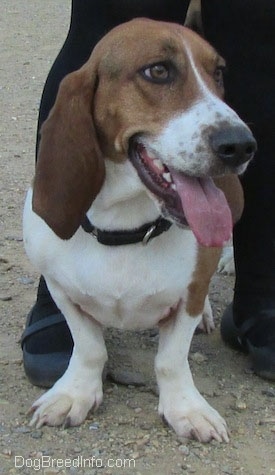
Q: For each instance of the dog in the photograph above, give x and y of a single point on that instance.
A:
(124, 219)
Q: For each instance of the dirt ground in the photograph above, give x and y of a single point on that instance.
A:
(126, 429)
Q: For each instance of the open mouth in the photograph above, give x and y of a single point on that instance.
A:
(188, 201)
(158, 179)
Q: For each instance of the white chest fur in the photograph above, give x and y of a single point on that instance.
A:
(129, 286)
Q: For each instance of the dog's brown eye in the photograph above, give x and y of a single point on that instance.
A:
(158, 73)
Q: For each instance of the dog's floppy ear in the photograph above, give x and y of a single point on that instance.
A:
(70, 167)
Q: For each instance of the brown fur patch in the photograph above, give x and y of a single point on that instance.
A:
(207, 261)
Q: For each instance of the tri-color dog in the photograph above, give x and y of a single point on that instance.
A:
(124, 219)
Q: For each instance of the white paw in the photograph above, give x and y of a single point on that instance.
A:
(207, 322)
(65, 406)
(191, 416)
(226, 264)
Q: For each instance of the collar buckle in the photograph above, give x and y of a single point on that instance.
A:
(94, 233)
(149, 234)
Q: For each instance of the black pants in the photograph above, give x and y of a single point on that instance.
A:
(243, 31)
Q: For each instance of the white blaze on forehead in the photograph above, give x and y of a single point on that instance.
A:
(214, 103)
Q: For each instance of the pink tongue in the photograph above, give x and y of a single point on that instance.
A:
(205, 208)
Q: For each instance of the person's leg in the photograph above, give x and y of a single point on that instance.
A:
(47, 343)
(244, 34)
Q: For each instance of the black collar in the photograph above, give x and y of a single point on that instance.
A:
(118, 238)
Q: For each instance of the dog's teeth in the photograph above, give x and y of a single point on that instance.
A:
(173, 186)
(151, 155)
(167, 177)
(158, 164)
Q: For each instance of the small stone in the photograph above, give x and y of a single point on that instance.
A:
(240, 405)
(22, 430)
(135, 455)
(184, 449)
(249, 371)
(77, 450)
(17, 361)
(241, 431)
(226, 469)
(141, 442)
(7, 452)
(267, 421)
(94, 426)
(198, 358)
(109, 390)
(26, 280)
(185, 467)
(129, 442)
(5, 298)
(155, 443)
(270, 392)
(145, 426)
(14, 238)
(121, 421)
(95, 452)
(40, 454)
(37, 434)
(3, 260)
(125, 377)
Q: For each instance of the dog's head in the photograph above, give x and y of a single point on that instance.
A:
(151, 92)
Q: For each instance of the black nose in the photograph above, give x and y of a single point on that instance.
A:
(234, 145)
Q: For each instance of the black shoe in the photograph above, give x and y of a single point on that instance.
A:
(256, 336)
(46, 342)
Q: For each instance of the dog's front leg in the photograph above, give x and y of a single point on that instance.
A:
(80, 388)
(180, 403)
